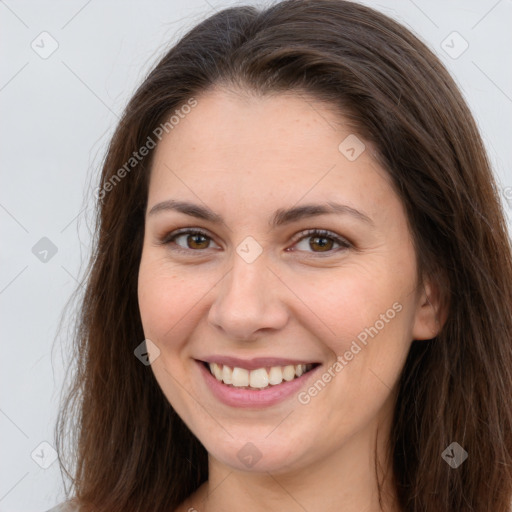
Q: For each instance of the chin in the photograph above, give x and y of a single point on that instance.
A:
(258, 454)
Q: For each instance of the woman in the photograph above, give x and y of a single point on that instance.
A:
(298, 217)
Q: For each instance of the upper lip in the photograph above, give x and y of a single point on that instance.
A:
(254, 363)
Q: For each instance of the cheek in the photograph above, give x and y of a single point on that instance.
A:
(363, 314)
(164, 298)
(172, 301)
(343, 302)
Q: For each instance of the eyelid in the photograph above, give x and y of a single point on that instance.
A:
(340, 240)
(181, 231)
(169, 238)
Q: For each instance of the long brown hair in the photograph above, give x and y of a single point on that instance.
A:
(130, 450)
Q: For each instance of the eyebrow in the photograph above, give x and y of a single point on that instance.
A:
(280, 217)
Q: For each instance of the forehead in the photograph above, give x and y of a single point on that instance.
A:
(283, 148)
(228, 126)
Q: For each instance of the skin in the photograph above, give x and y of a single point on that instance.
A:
(245, 156)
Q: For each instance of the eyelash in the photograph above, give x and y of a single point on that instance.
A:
(310, 233)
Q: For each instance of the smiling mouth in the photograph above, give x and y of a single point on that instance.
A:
(259, 378)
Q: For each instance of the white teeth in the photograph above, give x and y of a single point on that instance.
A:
(289, 372)
(239, 377)
(259, 378)
(275, 376)
(226, 374)
(217, 371)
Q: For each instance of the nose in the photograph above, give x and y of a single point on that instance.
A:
(249, 302)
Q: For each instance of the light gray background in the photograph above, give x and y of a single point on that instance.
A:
(56, 118)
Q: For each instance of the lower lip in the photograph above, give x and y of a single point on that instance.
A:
(244, 398)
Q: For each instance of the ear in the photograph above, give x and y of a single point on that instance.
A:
(431, 313)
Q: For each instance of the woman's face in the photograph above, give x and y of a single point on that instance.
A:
(259, 293)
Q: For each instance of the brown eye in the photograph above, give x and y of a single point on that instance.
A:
(197, 241)
(320, 241)
(188, 240)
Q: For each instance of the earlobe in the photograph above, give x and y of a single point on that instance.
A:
(430, 313)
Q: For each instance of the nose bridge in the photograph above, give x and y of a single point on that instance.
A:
(248, 299)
